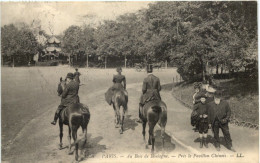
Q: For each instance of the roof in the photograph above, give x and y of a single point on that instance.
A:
(51, 49)
(53, 40)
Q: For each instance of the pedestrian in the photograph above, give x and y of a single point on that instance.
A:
(203, 123)
(76, 75)
(196, 99)
(219, 114)
(210, 94)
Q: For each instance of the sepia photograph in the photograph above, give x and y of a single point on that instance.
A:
(129, 81)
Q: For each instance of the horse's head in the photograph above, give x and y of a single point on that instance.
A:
(61, 86)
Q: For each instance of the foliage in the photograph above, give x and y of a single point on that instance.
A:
(18, 45)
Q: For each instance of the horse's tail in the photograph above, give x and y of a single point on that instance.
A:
(122, 99)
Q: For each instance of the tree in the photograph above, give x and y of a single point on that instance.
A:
(72, 41)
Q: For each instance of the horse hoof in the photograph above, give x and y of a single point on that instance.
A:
(146, 146)
(70, 152)
(60, 146)
(121, 131)
(116, 126)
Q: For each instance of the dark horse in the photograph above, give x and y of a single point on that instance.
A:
(120, 100)
(75, 116)
(154, 112)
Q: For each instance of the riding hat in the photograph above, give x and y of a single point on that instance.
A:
(70, 75)
(149, 68)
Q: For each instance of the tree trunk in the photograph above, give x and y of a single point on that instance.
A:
(87, 60)
(125, 60)
(106, 62)
(217, 69)
(13, 60)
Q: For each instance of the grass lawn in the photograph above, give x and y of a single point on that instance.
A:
(242, 95)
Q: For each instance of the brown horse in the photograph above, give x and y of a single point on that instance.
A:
(120, 100)
(154, 112)
(75, 116)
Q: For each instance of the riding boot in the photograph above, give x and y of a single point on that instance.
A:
(56, 116)
(201, 142)
(140, 120)
(205, 142)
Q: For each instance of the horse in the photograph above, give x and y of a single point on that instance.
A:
(74, 116)
(154, 112)
(119, 101)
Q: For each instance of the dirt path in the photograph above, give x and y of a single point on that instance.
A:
(38, 141)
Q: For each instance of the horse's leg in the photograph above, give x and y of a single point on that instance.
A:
(122, 119)
(115, 115)
(74, 136)
(144, 126)
(61, 132)
(69, 139)
(151, 135)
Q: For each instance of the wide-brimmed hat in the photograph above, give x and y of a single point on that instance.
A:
(149, 68)
(70, 75)
(210, 89)
(202, 95)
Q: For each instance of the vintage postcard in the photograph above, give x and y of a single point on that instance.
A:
(129, 81)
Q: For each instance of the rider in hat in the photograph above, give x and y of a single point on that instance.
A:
(69, 95)
(76, 75)
(150, 90)
(219, 114)
(118, 79)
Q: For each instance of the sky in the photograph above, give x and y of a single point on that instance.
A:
(55, 17)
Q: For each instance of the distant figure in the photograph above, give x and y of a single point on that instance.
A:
(76, 76)
(118, 79)
(210, 94)
(196, 95)
(151, 89)
(203, 123)
(219, 114)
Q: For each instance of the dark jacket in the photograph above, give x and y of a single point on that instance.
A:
(76, 76)
(70, 93)
(201, 109)
(151, 89)
(117, 80)
(221, 111)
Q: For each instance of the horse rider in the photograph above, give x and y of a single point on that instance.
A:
(150, 90)
(68, 96)
(118, 79)
(76, 75)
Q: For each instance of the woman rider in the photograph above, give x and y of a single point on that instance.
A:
(118, 79)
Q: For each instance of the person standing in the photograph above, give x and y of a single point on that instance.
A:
(203, 123)
(76, 76)
(219, 114)
(68, 96)
(150, 90)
